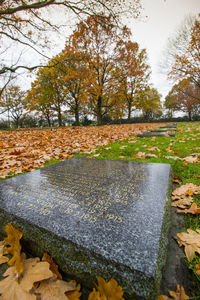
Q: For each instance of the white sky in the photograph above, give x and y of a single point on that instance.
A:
(163, 17)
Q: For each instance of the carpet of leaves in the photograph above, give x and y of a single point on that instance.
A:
(29, 149)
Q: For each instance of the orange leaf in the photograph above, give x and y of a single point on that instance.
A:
(53, 267)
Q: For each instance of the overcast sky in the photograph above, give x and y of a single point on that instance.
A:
(163, 17)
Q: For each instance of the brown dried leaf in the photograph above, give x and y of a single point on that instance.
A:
(53, 266)
(178, 295)
(55, 290)
(191, 241)
(3, 259)
(192, 210)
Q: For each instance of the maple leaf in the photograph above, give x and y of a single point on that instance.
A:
(13, 237)
(53, 266)
(107, 290)
(192, 210)
(14, 288)
(178, 295)
(51, 289)
(182, 202)
(191, 241)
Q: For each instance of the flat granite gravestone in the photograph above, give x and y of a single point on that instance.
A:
(155, 133)
(95, 218)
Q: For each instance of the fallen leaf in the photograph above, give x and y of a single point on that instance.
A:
(182, 203)
(107, 290)
(197, 267)
(140, 155)
(191, 241)
(55, 290)
(13, 237)
(191, 159)
(3, 259)
(74, 295)
(53, 267)
(192, 210)
(176, 181)
(178, 295)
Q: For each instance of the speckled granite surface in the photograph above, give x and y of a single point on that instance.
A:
(95, 218)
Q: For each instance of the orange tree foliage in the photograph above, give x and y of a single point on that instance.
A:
(134, 73)
(183, 97)
(26, 150)
(99, 72)
(187, 63)
(101, 41)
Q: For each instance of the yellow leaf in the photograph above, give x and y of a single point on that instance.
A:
(178, 295)
(55, 290)
(94, 295)
(107, 290)
(13, 237)
(74, 295)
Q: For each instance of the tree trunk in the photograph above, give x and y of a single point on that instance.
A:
(129, 111)
(190, 115)
(99, 112)
(76, 112)
(59, 117)
(48, 120)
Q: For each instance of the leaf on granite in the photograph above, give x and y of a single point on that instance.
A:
(191, 241)
(13, 240)
(178, 295)
(194, 209)
(53, 266)
(107, 290)
(55, 290)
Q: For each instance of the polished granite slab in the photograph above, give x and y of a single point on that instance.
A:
(95, 218)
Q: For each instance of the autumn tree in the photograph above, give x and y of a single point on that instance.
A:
(148, 100)
(47, 93)
(71, 65)
(185, 53)
(134, 73)
(12, 102)
(99, 38)
(183, 97)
